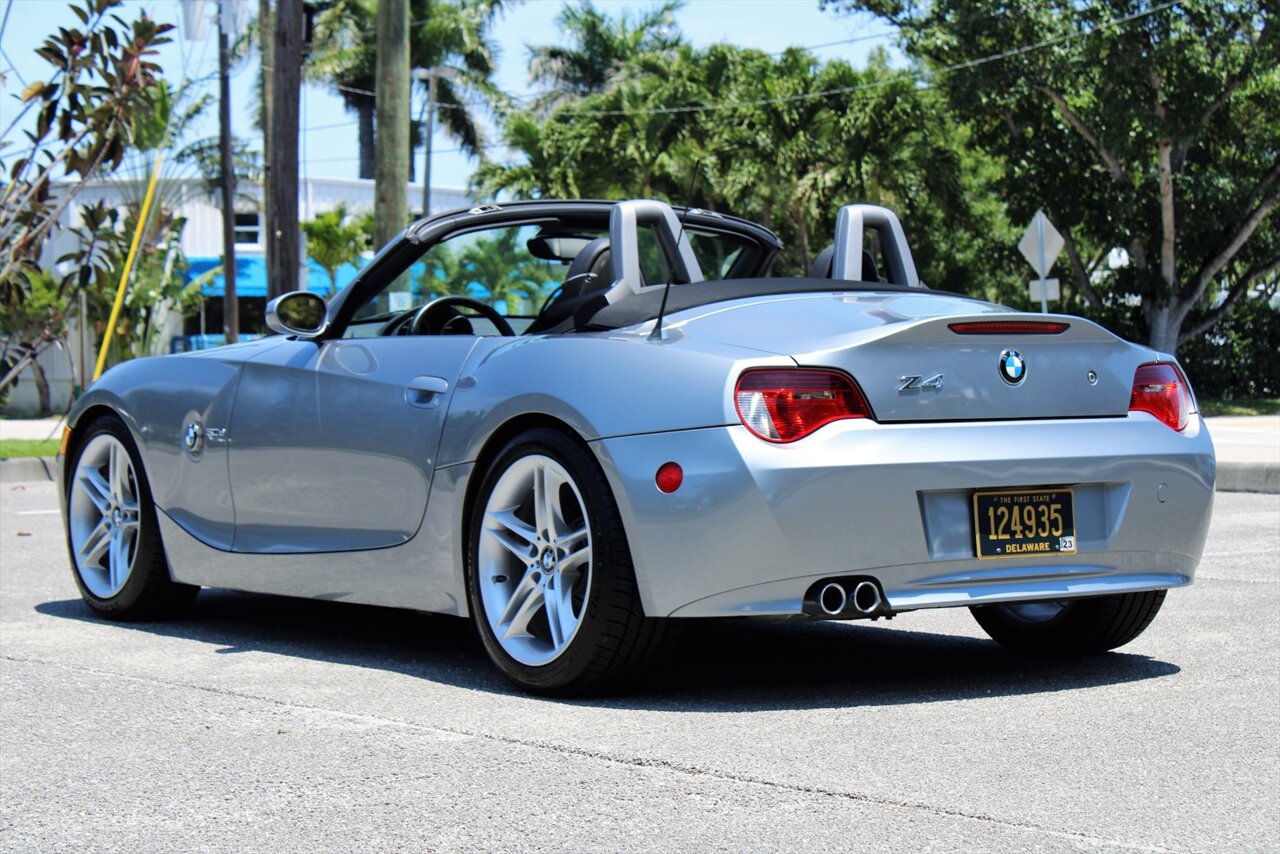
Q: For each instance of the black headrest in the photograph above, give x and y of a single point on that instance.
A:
(821, 268)
(590, 268)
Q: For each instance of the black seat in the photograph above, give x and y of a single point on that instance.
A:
(589, 270)
(588, 276)
(821, 268)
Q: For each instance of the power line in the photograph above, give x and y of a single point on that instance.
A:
(844, 90)
(533, 95)
(854, 40)
(333, 125)
(904, 76)
(485, 147)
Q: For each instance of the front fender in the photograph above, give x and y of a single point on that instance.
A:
(157, 398)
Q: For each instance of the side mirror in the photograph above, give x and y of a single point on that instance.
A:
(297, 313)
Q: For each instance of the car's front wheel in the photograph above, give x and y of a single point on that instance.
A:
(114, 539)
(550, 581)
(1071, 626)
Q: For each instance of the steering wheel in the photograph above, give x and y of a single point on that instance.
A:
(434, 317)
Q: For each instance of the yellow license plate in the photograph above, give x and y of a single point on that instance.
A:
(1024, 522)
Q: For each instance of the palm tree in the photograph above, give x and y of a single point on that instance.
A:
(600, 47)
(342, 55)
(444, 33)
(334, 240)
(455, 35)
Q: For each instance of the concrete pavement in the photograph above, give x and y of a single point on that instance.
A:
(261, 723)
(1248, 450)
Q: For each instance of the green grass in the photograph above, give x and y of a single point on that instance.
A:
(11, 448)
(1240, 406)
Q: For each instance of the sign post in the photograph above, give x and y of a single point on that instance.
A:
(1040, 245)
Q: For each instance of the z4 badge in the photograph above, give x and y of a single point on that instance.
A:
(913, 383)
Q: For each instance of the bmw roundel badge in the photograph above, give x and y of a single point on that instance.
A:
(1012, 367)
(193, 437)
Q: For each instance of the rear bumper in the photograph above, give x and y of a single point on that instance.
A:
(755, 524)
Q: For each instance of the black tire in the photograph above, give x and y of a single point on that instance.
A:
(613, 640)
(1080, 626)
(147, 592)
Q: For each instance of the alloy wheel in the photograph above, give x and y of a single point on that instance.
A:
(534, 560)
(103, 515)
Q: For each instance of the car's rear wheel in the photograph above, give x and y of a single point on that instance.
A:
(1071, 626)
(116, 554)
(550, 581)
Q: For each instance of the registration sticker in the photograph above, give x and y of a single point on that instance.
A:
(1024, 522)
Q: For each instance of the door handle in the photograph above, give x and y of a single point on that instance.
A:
(425, 391)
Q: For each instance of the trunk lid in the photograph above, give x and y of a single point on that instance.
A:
(884, 339)
(927, 371)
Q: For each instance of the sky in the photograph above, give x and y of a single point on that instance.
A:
(328, 138)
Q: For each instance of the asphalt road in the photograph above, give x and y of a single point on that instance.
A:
(271, 724)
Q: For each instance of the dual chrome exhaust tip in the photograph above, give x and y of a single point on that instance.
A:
(849, 598)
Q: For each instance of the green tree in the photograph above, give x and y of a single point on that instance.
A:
(101, 96)
(30, 326)
(343, 56)
(86, 112)
(1142, 125)
(496, 262)
(512, 276)
(449, 34)
(783, 140)
(334, 239)
(599, 49)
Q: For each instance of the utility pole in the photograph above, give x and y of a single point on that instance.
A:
(230, 301)
(426, 143)
(283, 256)
(432, 76)
(391, 144)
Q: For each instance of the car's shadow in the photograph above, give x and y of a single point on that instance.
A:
(709, 666)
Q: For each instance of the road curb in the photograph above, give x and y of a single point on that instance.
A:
(1249, 477)
(27, 469)
(1232, 477)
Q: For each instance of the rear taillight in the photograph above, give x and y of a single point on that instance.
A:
(782, 405)
(1158, 388)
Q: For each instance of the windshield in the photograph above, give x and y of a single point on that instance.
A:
(517, 269)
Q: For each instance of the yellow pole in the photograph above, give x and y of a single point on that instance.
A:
(128, 266)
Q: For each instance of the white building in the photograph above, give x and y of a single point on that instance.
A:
(202, 246)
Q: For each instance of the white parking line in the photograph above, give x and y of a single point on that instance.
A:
(36, 512)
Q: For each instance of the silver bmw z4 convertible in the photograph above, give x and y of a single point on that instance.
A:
(653, 428)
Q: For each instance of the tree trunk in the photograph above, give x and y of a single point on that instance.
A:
(364, 115)
(391, 171)
(802, 234)
(266, 42)
(1165, 320)
(42, 388)
(282, 205)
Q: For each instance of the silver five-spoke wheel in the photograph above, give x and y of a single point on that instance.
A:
(550, 582)
(103, 516)
(113, 533)
(534, 560)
